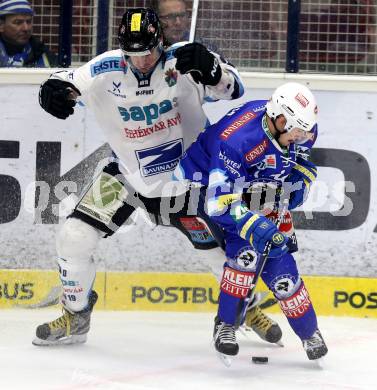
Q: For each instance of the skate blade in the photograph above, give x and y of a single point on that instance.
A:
(73, 339)
(243, 330)
(319, 363)
(225, 359)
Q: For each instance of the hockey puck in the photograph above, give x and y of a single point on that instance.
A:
(259, 359)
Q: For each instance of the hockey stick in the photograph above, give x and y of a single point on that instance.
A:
(194, 17)
(52, 298)
(265, 254)
(268, 303)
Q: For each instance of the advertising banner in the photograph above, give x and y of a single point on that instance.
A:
(45, 163)
(185, 292)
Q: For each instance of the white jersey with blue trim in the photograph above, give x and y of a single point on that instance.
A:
(148, 120)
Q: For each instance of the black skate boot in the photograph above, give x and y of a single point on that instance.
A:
(267, 329)
(315, 346)
(70, 328)
(224, 337)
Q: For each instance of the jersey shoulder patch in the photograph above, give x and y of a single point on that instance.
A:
(239, 117)
(234, 123)
(108, 64)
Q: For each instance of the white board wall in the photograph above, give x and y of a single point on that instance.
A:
(329, 244)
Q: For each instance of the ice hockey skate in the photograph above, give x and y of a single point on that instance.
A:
(224, 338)
(267, 329)
(315, 346)
(70, 328)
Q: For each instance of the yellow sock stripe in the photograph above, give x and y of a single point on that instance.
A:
(305, 172)
(247, 225)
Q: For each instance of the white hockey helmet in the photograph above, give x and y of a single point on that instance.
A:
(298, 105)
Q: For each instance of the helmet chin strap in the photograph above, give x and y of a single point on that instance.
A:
(278, 133)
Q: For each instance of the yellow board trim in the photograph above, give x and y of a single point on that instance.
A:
(184, 292)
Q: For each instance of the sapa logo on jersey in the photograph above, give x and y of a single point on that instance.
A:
(161, 158)
(108, 64)
(147, 113)
(235, 125)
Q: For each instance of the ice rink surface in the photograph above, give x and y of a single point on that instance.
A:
(173, 351)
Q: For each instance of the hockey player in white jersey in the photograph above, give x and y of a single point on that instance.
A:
(149, 104)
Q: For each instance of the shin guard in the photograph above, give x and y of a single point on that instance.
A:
(75, 245)
(234, 286)
(300, 313)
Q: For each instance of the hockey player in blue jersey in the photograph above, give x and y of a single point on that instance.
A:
(246, 163)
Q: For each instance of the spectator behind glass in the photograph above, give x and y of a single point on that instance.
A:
(176, 23)
(174, 20)
(18, 47)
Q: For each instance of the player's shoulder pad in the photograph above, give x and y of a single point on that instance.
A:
(244, 131)
(242, 123)
(110, 61)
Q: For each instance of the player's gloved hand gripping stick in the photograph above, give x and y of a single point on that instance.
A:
(194, 58)
(265, 255)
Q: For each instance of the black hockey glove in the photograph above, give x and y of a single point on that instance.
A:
(54, 98)
(194, 58)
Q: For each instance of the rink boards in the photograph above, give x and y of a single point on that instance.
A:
(191, 292)
(46, 162)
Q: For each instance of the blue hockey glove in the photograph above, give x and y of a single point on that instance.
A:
(301, 177)
(259, 230)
